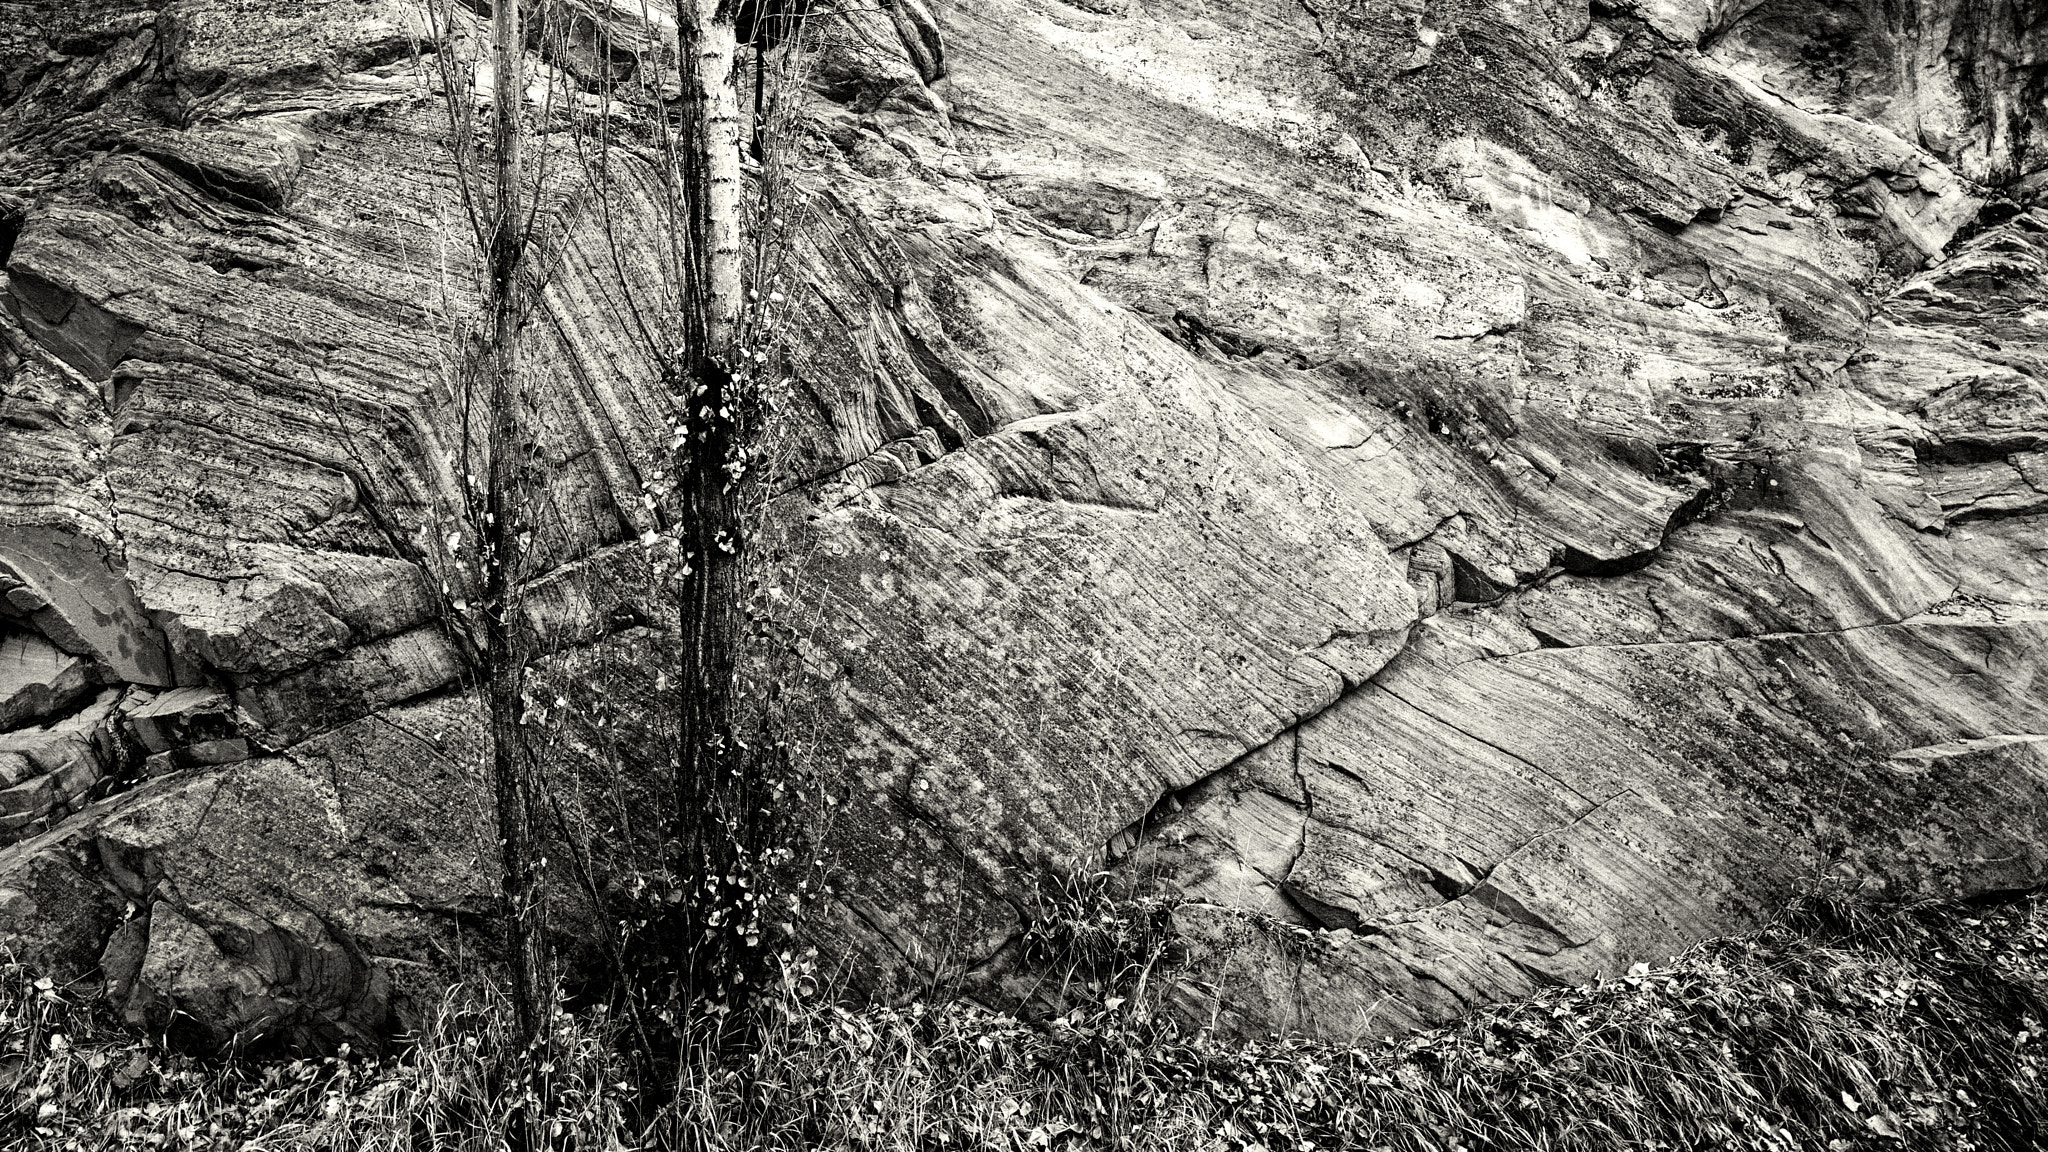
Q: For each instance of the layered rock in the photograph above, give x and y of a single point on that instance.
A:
(1604, 342)
(1464, 498)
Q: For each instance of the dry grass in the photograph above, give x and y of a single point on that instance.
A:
(1835, 1030)
(74, 1081)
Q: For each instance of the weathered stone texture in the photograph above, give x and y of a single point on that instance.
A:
(1467, 498)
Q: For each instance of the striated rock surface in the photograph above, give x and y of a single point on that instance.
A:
(1466, 497)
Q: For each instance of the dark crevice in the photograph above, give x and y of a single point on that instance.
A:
(973, 423)
(1308, 813)
(1174, 801)
(1486, 876)
(1483, 893)
(1580, 563)
(228, 264)
(928, 416)
(1717, 485)
(1313, 14)
(1495, 330)
(1196, 334)
(1426, 536)
(1340, 770)
(1323, 915)
(1960, 451)
(1196, 790)
(261, 739)
(251, 195)
(1663, 224)
(1169, 805)
(1471, 586)
(1424, 977)
(52, 302)
(13, 215)
(1973, 515)
(1448, 888)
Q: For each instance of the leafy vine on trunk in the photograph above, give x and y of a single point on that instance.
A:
(729, 361)
(699, 270)
(711, 763)
(689, 188)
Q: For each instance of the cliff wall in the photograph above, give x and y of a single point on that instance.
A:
(1466, 496)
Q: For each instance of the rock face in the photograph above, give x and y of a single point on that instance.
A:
(1465, 497)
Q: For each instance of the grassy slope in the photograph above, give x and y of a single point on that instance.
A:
(1834, 1030)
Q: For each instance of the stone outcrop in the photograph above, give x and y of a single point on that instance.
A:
(1464, 497)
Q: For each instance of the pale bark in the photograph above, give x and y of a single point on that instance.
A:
(709, 53)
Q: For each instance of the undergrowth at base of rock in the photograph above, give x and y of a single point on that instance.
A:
(1836, 1029)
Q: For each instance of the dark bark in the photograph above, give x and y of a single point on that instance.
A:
(505, 648)
(715, 807)
(711, 621)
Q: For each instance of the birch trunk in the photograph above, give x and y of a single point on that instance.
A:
(710, 51)
(712, 775)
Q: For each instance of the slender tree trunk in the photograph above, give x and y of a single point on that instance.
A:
(709, 54)
(712, 792)
(505, 649)
(710, 764)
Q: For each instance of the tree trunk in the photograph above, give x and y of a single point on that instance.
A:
(713, 782)
(710, 41)
(709, 760)
(505, 649)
